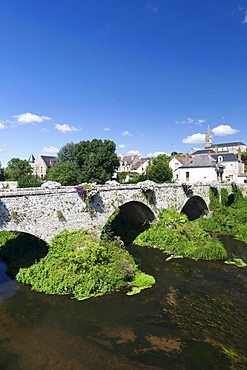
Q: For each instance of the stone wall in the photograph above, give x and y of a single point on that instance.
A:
(46, 212)
(8, 184)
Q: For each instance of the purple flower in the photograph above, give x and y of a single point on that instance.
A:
(80, 191)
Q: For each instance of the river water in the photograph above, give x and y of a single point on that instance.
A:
(195, 317)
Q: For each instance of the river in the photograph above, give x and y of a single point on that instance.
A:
(195, 317)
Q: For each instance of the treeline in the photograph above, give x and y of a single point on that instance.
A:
(92, 161)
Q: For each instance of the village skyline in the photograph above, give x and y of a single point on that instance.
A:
(150, 76)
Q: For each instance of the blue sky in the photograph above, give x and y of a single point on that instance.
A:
(149, 75)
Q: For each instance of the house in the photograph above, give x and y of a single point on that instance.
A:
(176, 162)
(201, 167)
(211, 166)
(40, 164)
(132, 165)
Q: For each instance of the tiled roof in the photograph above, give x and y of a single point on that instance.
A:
(47, 159)
(200, 160)
(236, 143)
(227, 157)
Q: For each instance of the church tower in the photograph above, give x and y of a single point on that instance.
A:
(208, 139)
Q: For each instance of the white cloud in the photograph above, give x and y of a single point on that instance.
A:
(194, 139)
(121, 146)
(245, 18)
(155, 154)
(24, 118)
(134, 152)
(224, 130)
(199, 122)
(189, 120)
(1, 150)
(51, 149)
(2, 125)
(126, 133)
(44, 129)
(107, 129)
(65, 128)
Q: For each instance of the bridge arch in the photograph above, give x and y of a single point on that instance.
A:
(129, 220)
(194, 207)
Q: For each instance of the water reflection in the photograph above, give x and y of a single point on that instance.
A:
(194, 310)
(7, 286)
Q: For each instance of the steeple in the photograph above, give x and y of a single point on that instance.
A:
(208, 139)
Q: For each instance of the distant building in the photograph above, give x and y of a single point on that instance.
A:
(176, 162)
(232, 147)
(40, 164)
(132, 165)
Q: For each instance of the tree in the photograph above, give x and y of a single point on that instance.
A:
(1, 172)
(18, 169)
(159, 172)
(21, 171)
(121, 176)
(63, 172)
(66, 154)
(96, 159)
(161, 157)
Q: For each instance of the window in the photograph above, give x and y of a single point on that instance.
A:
(187, 176)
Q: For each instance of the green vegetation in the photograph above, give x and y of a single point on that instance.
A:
(159, 171)
(176, 235)
(21, 171)
(63, 172)
(232, 219)
(81, 265)
(87, 161)
(96, 160)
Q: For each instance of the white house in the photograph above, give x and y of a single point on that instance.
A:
(176, 162)
(211, 167)
(40, 164)
(132, 165)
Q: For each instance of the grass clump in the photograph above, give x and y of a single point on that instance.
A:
(178, 236)
(232, 219)
(80, 264)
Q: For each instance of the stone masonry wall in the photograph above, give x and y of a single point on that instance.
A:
(35, 210)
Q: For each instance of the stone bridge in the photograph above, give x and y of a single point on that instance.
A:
(46, 212)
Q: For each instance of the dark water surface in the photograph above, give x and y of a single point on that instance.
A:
(195, 317)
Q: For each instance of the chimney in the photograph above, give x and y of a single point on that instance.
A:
(216, 149)
(186, 157)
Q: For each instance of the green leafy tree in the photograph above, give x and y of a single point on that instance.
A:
(137, 178)
(21, 171)
(66, 154)
(17, 169)
(96, 159)
(1, 172)
(161, 157)
(121, 176)
(159, 172)
(63, 172)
